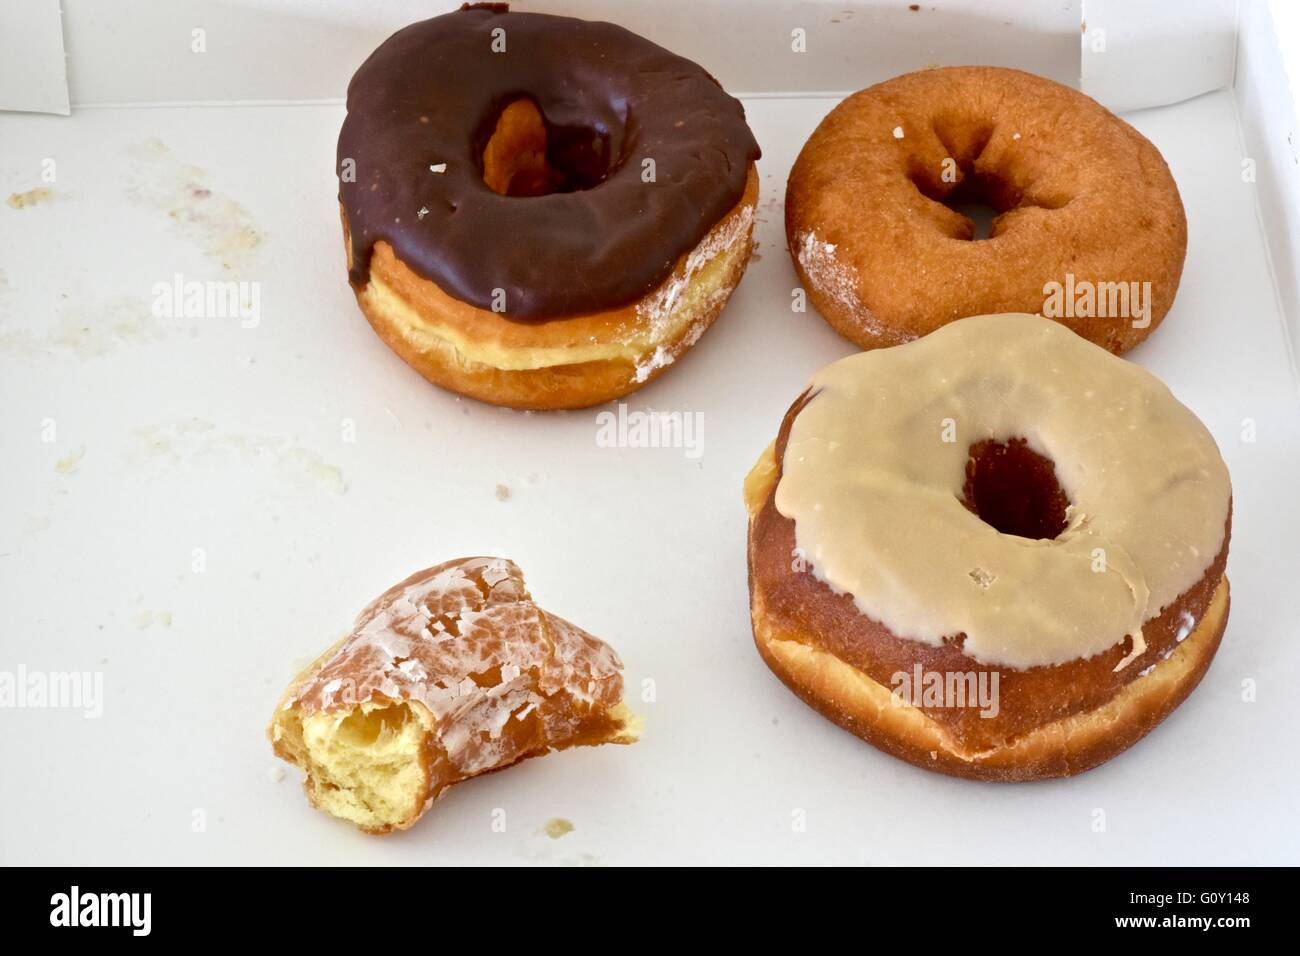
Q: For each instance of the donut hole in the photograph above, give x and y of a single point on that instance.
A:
(524, 155)
(965, 182)
(1012, 488)
(978, 198)
(980, 215)
(362, 727)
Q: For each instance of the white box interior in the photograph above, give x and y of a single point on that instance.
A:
(180, 444)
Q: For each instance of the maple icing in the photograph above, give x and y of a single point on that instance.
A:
(875, 467)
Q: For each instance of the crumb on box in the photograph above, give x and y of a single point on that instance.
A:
(557, 827)
(70, 462)
(30, 198)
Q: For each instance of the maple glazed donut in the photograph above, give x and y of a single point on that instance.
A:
(1090, 228)
(996, 552)
(540, 211)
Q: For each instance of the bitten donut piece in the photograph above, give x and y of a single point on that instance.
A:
(452, 673)
(1090, 228)
(540, 211)
(996, 552)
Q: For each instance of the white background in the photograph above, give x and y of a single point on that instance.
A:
(176, 434)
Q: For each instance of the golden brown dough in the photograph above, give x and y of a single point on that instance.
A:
(1084, 201)
(452, 673)
(571, 362)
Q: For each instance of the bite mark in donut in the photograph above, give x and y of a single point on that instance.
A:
(452, 673)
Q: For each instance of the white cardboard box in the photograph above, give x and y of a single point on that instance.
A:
(182, 512)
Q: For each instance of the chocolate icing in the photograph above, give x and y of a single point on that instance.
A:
(431, 94)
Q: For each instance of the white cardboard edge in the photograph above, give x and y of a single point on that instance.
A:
(1271, 141)
(33, 68)
(222, 51)
(1137, 54)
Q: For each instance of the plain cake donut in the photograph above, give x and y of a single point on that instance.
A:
(1090, 221)
(1000, 506)
(541, 211)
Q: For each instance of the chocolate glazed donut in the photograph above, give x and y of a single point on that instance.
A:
(541, 170)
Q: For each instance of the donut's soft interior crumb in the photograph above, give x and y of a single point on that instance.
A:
(367, 765)
(364, 764)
